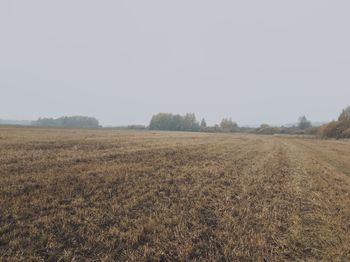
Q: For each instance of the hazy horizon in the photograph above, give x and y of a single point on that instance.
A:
(123, 61)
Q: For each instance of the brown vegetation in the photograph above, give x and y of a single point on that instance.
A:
(337, 129)
(107, 195)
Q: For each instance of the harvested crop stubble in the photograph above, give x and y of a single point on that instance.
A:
(112, 195)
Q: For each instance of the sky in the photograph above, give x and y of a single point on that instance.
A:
(123, 61)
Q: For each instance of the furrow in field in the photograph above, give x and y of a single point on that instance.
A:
(324, 211)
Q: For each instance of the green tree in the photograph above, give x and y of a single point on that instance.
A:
(166, 121)
(228, 125)
(304, 123)
(203, 123)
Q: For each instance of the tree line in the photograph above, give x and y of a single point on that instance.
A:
(167, 121)
(68, 122)
(188, 122)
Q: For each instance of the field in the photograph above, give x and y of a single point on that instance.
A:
(109, 195)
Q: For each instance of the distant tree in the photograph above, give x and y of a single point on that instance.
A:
(166, 121)
(189, 122)
(161, 121)
(70, 122)
(304, 123)
(345, 115)
(228, 125)
(337, 129)
(203, 123)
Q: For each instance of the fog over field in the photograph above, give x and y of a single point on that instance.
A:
(156, 130)
(122, 61)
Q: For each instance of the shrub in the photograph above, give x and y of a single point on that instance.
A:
(346, 133)
(136, 127)
(268, 130)
(312, 131)
(337, 129)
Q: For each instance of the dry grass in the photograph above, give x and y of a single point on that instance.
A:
(104, 195)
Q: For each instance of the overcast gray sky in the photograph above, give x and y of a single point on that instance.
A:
(122, 61)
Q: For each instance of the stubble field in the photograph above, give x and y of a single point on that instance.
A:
(108, 195)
